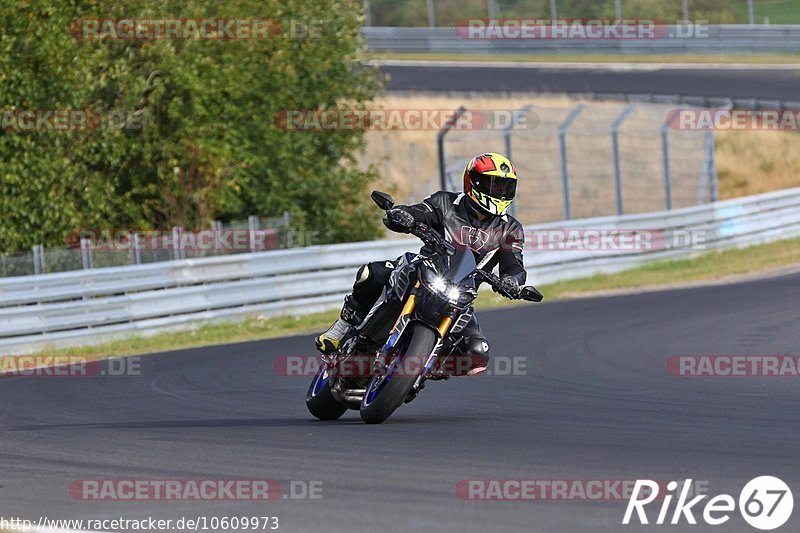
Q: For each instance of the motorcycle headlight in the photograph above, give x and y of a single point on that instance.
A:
(453, 294)
(441, 286)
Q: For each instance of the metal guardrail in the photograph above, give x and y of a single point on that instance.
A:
(88, 305)
(109, 248)
(716, 38)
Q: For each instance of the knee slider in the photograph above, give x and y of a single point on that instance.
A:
(364, 274)
(476, 352)
(476, 345)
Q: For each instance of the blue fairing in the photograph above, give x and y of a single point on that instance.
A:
(320, 380)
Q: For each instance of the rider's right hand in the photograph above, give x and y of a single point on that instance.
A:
(399, 220)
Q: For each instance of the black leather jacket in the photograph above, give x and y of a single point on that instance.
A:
(496, 241)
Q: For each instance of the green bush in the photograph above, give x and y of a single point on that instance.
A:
(207, 148)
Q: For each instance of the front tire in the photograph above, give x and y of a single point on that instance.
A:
(320, 401)
(387, 391)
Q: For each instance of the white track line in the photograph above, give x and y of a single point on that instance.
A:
(624, 67)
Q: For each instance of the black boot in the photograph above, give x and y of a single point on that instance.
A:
(351, 316)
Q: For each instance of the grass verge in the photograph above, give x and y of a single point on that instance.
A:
(774, 58)
(708, 267)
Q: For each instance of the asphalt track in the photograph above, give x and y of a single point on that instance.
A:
(595, 403)
(724, 81)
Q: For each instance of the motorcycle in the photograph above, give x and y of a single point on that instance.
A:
(409, 333)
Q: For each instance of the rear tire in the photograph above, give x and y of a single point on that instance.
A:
(394, 390)
(320, 401)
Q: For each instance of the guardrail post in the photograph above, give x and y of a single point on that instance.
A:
(712, 166)
(440, 146)
(665, 162)
(412, 165)
(562, 143)
(177, 241)
(515, 118)
(216, 230)
(86, 253)
(615, 146)
(252, 225)
(387, 155)
(38, 258)
(708, 173)
(285, 233)
(136, 253)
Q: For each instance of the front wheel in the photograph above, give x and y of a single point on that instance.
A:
(387, 390)
(320, 401)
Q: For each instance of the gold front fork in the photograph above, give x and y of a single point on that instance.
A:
(444, 327)
(407, 308)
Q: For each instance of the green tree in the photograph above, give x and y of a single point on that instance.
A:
(208, 146)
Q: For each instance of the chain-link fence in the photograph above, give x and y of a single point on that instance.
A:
(593, 159)
(433, 13)
(107, 248)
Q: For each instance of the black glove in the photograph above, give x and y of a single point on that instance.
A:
(399, 220)
(509, 287)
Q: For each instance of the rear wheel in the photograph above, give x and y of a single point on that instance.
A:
(387, 391)
(320, 401)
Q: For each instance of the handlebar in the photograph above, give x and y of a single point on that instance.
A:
(432, 238)
(527, 292)
(422, 231)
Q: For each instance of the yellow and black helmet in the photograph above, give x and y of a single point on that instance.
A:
(490, 180)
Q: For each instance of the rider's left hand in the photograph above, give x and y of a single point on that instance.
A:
(509, 287)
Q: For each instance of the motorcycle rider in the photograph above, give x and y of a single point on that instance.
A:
(478, 218)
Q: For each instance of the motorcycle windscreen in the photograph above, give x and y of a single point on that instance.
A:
(461, 264)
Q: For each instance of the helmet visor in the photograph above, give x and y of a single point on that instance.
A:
(495, 186)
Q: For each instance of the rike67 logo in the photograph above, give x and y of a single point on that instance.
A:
(765, 503)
